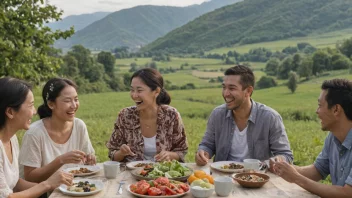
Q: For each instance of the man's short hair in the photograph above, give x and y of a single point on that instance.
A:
(339, 91)
(247, 76)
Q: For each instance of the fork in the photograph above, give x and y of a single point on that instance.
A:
(122, 182)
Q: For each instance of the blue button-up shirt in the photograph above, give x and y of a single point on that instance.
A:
(336, 160)
(266, 135)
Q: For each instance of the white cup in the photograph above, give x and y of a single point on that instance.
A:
(111, 168)
(251, 164)
(223, 185)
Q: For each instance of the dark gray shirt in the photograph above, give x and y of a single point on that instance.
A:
(336, 160)
(266, 135)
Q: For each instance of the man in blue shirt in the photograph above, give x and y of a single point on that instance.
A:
(242, 128)
(335, 112)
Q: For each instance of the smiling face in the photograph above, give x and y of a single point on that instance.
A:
(66, 104)
(325, 114)
(232, 92)
(26, 112)
(142, 95)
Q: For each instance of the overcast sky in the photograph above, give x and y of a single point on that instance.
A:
(74, 7)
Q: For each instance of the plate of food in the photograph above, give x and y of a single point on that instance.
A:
(139, 164)
(171, 169)
(161, 187)
(251, 180)
(82, 187)
(83, 170)
(228, 166)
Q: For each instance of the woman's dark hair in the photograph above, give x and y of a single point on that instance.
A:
(153, 79)
(13, 93)
(339, 91)
(51, 91)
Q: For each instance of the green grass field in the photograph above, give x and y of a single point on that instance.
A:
(319, 41)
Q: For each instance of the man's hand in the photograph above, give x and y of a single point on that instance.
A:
(202, 158)
(286, 171)
(272, 162)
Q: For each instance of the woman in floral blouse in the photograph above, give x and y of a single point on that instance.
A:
(150, 130)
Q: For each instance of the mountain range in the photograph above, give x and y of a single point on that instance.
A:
(137, 26)
(253, 21)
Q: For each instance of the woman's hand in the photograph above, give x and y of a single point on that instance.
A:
(90, 159)
(73, 157)
(58, 178)
(126, 150)
(165, 156)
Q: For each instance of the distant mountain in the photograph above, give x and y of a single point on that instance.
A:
(252, 21)
(78, 21)
(137, 26)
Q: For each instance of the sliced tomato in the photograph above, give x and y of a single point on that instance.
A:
(133, 187)
(142, 188)
(169, 191)
(162, 180)
(179, 191)
(185, 187)
(143, 172)
(163, 189)
(154, 191)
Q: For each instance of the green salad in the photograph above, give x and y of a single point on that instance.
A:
(169, 169)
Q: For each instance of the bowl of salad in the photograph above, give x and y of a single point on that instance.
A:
(170, 169)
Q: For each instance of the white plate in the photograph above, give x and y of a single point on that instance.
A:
(98, 184)
(217, 166)
(94, 169)
(131, 165)
(148, 196)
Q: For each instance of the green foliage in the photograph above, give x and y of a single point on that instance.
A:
(296, 61)
(108, 60)
(285, 68)
(266, 82)
(321, 61)
(340, 61)
(25, 43)
(306, 68)
(242, 23)
(69, 67)
(272, 67)
(290, 50)
(292, 82)
(345, 47)
(134, 67)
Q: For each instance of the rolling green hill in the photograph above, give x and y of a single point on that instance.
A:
(138, 26)
(253, 21)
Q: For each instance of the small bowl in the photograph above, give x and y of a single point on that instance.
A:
(201, 192)
(249, 184)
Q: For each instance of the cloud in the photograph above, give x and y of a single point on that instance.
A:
(111, 3)
(75, 7)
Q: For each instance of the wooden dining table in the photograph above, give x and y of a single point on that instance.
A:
(275, 187)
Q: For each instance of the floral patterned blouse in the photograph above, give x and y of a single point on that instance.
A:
(170, 133)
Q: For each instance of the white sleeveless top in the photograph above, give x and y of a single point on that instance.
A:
(9, 173)
(149, 148)
(239, 147)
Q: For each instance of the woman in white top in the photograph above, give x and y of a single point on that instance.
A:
(58, 138)
(16, 112)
